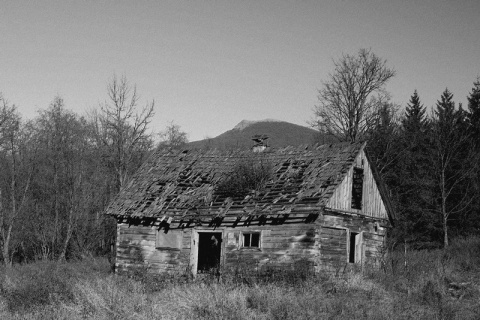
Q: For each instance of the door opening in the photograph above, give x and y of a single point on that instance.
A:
(354, 248)
(209, 251)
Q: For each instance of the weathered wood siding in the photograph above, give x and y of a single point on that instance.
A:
(136, 248)
(281, 246)
(325, 243)
(372, 203)
(334, 246)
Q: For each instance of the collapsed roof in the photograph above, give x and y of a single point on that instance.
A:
(181, 184)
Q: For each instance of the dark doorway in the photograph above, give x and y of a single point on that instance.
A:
(209, 250)
(353, 246)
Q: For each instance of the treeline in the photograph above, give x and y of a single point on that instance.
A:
(429, 161)
(60, 170)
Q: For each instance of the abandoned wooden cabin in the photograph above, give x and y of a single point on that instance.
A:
(198, 210)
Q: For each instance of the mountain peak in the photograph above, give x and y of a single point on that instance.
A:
(246, 123)
(280, 133)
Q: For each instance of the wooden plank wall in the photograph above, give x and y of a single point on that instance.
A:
(136, 248)
(333, 248)
(372, 203)
(374, 249)
(373, 239)
(281, 246)
(324, 243)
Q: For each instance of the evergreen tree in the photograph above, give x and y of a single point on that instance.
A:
(417, 225)
(446, 115)
(415, 120)
(383, 140)
(474, 111)
(474, 129)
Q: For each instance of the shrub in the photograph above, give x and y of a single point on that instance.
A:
(46, 283)
(247, 176)
(39, 284)
(464, 253)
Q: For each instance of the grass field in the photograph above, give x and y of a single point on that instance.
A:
(440, 284)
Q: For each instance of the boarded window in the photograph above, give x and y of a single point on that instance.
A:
(357, 188)
(172, 239)
(334, 245)
(251, 240)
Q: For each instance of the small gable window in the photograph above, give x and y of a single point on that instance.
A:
(357, 188)
(172, 239)
(251, 240)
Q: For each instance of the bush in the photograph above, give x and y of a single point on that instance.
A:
(247, 176)
(39, 284)
(464, 254)
(45, 283)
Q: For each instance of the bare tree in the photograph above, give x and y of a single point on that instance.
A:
(349, 100)
(121, 128)
(16, 175)
(173, 136)
(65, 163)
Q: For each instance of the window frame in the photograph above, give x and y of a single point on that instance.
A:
(250, 247)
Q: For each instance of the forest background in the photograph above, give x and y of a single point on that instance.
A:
(60, 170)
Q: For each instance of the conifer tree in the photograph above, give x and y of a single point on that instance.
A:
(414, 193)
(474, 129)
(382, 140)
(474, 110)
(415, 120)
(445, 114)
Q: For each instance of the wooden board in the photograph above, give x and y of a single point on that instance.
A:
(324, 243)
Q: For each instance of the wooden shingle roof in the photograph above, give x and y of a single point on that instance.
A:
(181, 184)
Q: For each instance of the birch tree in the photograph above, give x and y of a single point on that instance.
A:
(453, 159)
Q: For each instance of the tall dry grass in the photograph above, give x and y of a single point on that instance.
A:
(441, 284)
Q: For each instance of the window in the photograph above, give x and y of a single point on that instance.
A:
(357, 188)
(251, 240)
(172, 239)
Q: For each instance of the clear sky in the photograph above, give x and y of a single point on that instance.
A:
(209, 64)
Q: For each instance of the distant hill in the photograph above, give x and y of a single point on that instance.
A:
(280, 133)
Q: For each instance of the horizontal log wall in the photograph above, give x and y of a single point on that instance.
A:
(281, 246)
(136, 249)
(324, 243)
(335, 231)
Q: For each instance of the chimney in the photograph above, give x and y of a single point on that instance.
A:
(260, 142)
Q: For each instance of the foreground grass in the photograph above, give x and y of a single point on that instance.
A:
(434, 285)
